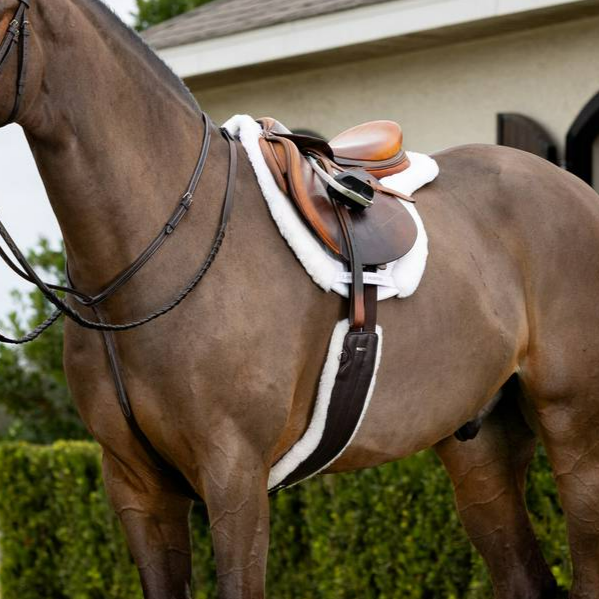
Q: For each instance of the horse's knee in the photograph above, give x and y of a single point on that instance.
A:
(156, 525)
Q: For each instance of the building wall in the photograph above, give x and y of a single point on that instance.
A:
(443, 96)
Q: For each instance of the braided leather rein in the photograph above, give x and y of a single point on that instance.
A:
(17, 36)
(25, 270)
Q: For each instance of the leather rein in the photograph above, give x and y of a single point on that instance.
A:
(17, 35)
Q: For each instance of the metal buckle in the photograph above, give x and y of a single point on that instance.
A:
(187, 200)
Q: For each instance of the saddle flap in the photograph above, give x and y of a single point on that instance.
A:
(383, 232)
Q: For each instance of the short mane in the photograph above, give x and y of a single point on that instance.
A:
(153, 59)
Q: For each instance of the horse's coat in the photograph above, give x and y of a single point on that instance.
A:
(224, 386)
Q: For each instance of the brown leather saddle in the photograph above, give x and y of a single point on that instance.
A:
(336, 188)
(362, 237)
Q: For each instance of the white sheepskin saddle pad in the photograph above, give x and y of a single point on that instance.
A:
(400, 279)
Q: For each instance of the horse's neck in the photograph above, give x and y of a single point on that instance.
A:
(114, 143)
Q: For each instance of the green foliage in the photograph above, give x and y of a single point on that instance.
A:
(59, 537)
(33, 390)
(152, 12)
(386, 533)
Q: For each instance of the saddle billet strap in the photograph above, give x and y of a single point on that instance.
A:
(357, 310)
(370, 303)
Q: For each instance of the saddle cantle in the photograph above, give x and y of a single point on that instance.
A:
(383, 232)
(375, 146)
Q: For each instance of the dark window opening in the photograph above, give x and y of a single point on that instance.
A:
(523, 133)
(582, 144)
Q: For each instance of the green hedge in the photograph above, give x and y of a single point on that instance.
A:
(386, 533)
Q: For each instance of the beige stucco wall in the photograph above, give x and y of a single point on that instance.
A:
(442, 96)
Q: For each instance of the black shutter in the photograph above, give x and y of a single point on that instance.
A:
(580, 141)
(521, 132)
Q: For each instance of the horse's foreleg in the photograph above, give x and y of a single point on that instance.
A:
(488, 474)
(235, 491)
(156, 524)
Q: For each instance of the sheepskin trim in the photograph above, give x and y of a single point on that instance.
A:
(321, 266)
(308, 443)
(303, 244)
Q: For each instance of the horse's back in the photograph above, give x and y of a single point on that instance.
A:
(513, 248)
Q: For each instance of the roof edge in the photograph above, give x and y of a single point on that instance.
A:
(331, 31)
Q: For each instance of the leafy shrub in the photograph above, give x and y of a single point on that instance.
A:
(385, 533)
(152, 12)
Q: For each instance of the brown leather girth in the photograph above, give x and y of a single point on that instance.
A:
(357, 365)
(356, 370)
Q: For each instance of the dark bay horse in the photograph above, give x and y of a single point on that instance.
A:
(224, 385)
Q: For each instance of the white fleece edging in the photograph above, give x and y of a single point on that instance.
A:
(325, 270)
(304, 448)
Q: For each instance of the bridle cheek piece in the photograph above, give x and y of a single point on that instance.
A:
(16, 36)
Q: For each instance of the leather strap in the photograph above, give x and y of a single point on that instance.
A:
(357, 310)
(159, 461)
(30, 275)
(117, 374)
(168, 229)
(17, 34)
(370, 303)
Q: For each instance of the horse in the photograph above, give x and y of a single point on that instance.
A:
(224, 385)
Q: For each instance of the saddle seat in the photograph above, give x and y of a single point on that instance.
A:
(382, 232)
(375, 146)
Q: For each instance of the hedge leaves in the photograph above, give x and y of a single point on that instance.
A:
(386, 533)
